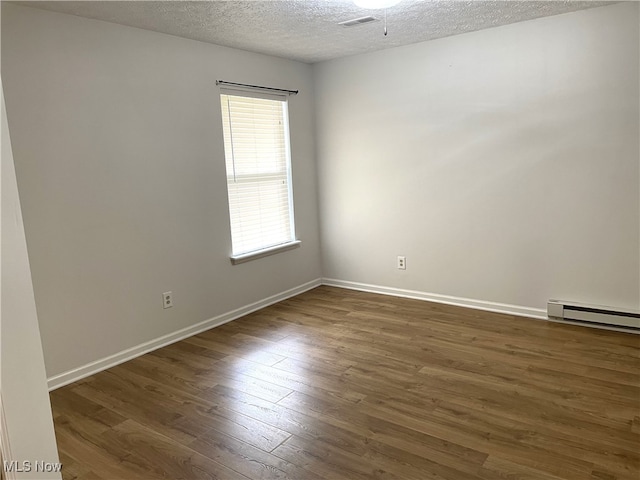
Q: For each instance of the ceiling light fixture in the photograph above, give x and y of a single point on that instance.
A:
(375, 4)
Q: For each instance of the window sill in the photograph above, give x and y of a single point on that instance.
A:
(247, 257)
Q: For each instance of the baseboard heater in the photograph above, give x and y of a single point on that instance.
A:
(595, 315)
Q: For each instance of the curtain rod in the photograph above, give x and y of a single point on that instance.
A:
(290, 92)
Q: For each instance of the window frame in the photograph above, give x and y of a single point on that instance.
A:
(293, 242)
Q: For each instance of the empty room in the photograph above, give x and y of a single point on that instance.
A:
(324, 239)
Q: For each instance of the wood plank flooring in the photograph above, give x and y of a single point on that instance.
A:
(338, 384)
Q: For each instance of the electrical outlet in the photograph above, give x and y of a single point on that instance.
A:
(402, 263)
(167, 300)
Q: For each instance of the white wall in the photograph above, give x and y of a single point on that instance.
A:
(29, 434)
(503, 163)
(119, 156)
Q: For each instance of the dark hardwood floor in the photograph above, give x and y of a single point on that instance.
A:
(337, 384)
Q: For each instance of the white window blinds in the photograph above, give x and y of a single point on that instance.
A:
(256, 145)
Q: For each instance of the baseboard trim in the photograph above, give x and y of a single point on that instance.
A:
(92, 368)
(517, 310)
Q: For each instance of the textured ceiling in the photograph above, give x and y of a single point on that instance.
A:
(308, 30)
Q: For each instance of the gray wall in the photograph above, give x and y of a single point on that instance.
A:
(118, 147)
(26, 427)
(502, 163)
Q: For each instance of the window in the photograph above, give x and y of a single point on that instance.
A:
(256, 146)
